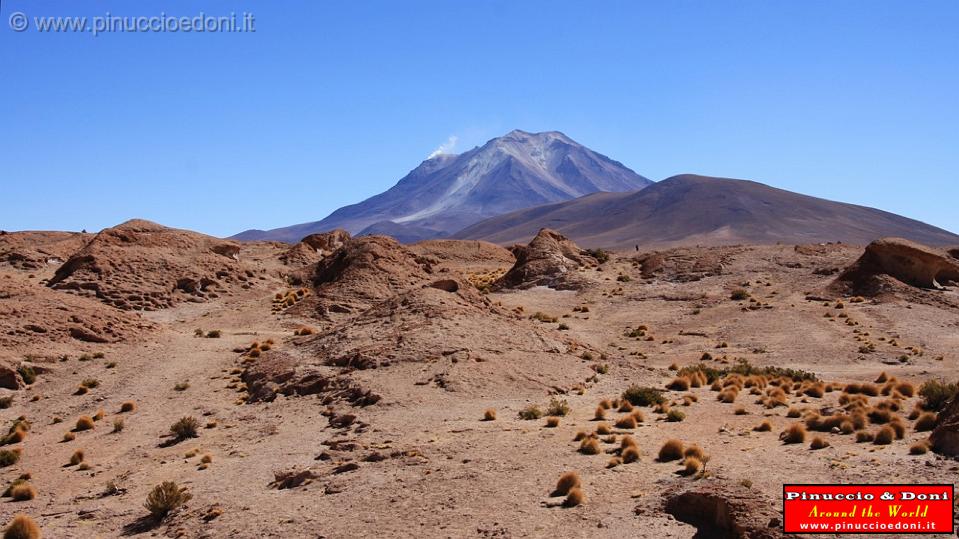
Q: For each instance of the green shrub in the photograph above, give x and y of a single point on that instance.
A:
(600, 255)
(643, 396)
(530, 412)
(739, 295)
(935, 394)
(185, 427)
(557, 407)
(164, 498)
(27, 373)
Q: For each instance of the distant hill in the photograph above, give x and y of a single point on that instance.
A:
(691, 209)
(448, 192)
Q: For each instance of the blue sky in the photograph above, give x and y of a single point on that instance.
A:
(330, 102)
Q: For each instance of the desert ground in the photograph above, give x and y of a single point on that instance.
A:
(340, 386)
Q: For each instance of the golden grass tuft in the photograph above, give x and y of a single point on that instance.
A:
(128, 406)
(164, 498)
(590, 446)
(818, 442)
(794, 434)
(552, 422)
(581, 435)
(628, 441)
(69, 437)
(626, 422)
(85, 422)
(489, 415)
(567, 482)
(883, 378)
(906, 388)
(603, 429)
(925, 422)
(575, 497)
(606, 404)
(671, 450)
(691, 466)
(765, 426)
(98, 416)
(600, 413)
(22, 492)
(22, 527)
(694, 451)
(793, 412)
(77, 457)
(919, 448)
(680, 383)
(630, 454)
(864, 436)
(884, 436)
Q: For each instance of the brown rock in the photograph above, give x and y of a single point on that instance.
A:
(908, 262)
(9, 377)
(551, 259)
(720, 509)
(945, 437)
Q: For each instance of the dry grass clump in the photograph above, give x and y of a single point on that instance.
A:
(552, 422)
(898, 427)
(575, 497)
(557, 407)
(740, 410)
(675, 416)
(84, 422)
(185, 427)
(302, 331)
(606, 404)
(643, 396)
(630, 454)
(671, 450)
(77, 457)
(489, 415)
(128, 406)
(626, 422)
(680, 383)
(884, 436)
(164, 498)
(9, 457)
(925, 422)
(22, 527)
(919, 448)
(765, 426)
(694, 451)
(728, 395)
(118, 425)
(882, 378)
(98, 416)
(603, 429)
(567, 482)
(530, 412)
(906, 389)
(818, 442)
(69, 437)
(793, 412)
(691, 466)
(864, 437)
(580, 435)
(936, 393)
(600, 414)
(590, 446)
(795, 434)
(22, 492)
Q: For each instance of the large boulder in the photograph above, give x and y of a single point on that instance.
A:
(551, 259)
(903, 260)
(721, 509)
(314, 247)
(945, 437)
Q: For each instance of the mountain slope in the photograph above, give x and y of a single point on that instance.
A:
(449, 192)
(704, 210)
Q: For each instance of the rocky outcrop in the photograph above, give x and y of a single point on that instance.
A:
(9, 377)
(551, 259)
(905, 261)
(720, 509)
(314, 247)
(276, 373)
(140, 265)
(945, 437)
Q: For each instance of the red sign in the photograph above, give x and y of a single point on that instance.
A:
(859, 509)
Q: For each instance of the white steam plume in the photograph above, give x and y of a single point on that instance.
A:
(446, 147)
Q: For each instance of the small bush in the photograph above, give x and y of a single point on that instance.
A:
(69, 437)
(671, 450)
(489, 415)
(557, 407)
(603, 429)
(118, 425)
(181, 386)
(884, 436)
(128, 406)
(530, 412)
(795, 434)
(818, 443)
(77, 457)
(98, 416)
(680, 383)
(575, 497)
(919, 448)
(600, 413)
(643, 396)
(567, 481)
(864, 437)
(22, 527)
(214, 334)
(85, 422)
(9, 457)
(552, 422)
(691, 466)
(590, 446)
(185, 427)
(164, 498)
(27, 373)
(765, 426)
(925, 422)
(23, 492)
(90, 383)
(626, 422)
(739, 295)
(694, 451)
(675, 415)
(630, 454)
(935, 394)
